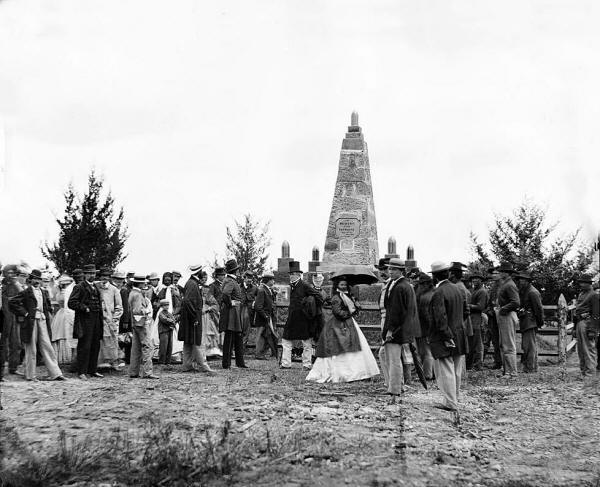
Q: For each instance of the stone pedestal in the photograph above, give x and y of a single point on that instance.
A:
(352, 230)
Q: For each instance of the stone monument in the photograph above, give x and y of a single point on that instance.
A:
(352, 230)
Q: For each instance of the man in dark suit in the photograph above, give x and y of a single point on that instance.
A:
(249, 291)
(531, 317)
(298, 325)
(10, 341)
(33, 309)
(88, 326)
(264, 318)
(447, 337)
(230, 319)
(400, 327)
(477, 306)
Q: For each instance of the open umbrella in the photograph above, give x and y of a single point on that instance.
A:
(418, 365)
(355, 274)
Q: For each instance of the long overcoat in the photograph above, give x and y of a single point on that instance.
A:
(298, 326)
(264, 308)
(190, 325)
(24, 306)
(80, 302)
(401, 315)
(230, 318)
(447, 311)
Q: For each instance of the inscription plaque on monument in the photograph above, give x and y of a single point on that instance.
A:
(352, 230)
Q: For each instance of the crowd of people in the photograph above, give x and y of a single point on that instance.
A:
(437, 324)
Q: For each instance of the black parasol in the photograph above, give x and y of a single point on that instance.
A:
(355, 274)
(418, 365)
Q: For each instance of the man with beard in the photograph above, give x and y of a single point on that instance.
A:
(447, 337)
(88, 327)
(531, 317)
(217, 284)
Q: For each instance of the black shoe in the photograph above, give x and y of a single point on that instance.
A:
(243, 366)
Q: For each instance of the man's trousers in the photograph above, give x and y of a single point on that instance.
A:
(507, 328)
(530, 353)
(165, 348)
(194, 358)
(142, 350)
(391, 365)
(475, 356)
(40, 341)
(88, 345)
(286, 354)
(586, 348)
(265, 339)
(448, 376)
(233, 342)
(10, 344)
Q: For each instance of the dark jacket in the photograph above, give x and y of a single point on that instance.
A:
(508, 297)
(166, 321)
(401, 316)
(339, 334)
(531, 312)
(478, 304)
(9, 291)
(230, 318)
(125, 320)
(447, 310)
(467, 297)
(298, 326)
(216, 291)
(190, 326)
(264, 307)
(24, 306)
(424, 308)
(80, 301)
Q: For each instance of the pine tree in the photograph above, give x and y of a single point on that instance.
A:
(526, 239)
(91, 230)
(247, 244)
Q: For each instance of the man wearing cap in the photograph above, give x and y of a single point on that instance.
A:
(10, 346)
(33, 311)
(531, 317)
(166, 326)
(190, 326)
(249, 291)
(230, 320)
(112, 310)
(400, 327)
(506, 316)
(424, 294)
(587, 322)
(154, 281)
(264, 318)
(298, 326)
(142, 347)
(88, 326)
(477, 306)
(447, 336)
(119, 281)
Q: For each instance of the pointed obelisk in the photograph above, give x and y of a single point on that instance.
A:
(352, 230)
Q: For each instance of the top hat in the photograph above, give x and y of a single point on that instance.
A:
(118, 275)
(35, 274)
(396, 263)
(294, 266)
(231, 266)
(439, 266)
(89, 269)
(383, 262)
(138, 279)
(105, 271)
(505, 267)
(581, 278)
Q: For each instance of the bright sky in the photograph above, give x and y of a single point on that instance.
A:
(198, 112)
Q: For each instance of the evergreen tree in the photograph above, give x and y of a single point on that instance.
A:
(526, 239)
(247, 244)
(91, 230)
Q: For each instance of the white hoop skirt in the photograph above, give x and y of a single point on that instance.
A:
(346, 367)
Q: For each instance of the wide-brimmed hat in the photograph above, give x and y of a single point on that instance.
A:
(119, 275)
(231, 266)
(78, 273)
(139, 279)
(457, 266)
(219, 271)
(383, 262)
(89, 269)
(105, 271)
(64, 279)
(35, 274)
(524, 274)
(505, 267)
(439, 266)
(294, 266)
(153, 276)
(396, 263)
(585, 278)
(194, 269)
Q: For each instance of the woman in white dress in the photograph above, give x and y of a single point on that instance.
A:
(343, 353)
(62, 323)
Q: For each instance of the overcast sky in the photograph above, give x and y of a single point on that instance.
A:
(198, 112)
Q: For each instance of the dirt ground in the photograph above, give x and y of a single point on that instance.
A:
(541, 429)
